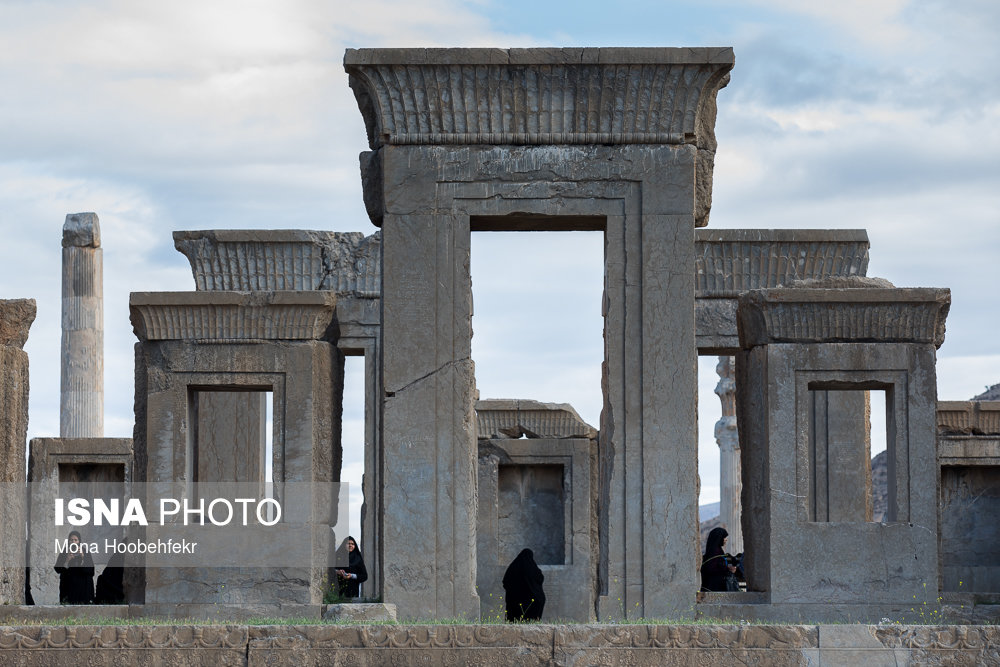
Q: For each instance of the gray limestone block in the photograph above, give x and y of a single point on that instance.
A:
(16, 316)
(82, 230)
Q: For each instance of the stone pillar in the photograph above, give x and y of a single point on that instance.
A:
(728, 438)
(16, 316)
(81, 407)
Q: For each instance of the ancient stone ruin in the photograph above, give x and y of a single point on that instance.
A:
(614, 141)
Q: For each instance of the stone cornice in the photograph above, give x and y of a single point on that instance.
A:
(285, 259)
(232, 316)
(968, 417)
(729, 262)
(538, 96)
(810, 315)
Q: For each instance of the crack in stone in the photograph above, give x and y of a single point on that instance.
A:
(427, 375)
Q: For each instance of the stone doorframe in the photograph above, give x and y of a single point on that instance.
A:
(484, 139)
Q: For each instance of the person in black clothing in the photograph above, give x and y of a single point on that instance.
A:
(714, 566)
(110, 584)
(522, 583)
(350, 580)
(76, 573)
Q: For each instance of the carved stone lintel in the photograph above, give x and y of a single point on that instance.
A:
(282, 315)
(804, 315)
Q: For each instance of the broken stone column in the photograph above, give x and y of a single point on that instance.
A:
(81, 407)
(728, 438)
(16, 316)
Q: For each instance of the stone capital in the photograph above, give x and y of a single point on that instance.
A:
(82, 230)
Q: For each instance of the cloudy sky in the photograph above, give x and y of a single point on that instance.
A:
(875, 114)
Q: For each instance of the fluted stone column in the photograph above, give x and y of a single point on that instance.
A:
(16, 316)
(81, 406)
(727, 436)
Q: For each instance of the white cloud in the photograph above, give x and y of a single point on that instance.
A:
(876, 23)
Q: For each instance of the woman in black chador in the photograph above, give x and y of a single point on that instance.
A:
(76, 573)
(714, 567)
(523, 585)
(350, 580)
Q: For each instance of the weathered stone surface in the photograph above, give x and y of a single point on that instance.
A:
(516, 418)
(803, 315)
(82, 230)
(381, 645)
(261, 260)
(534, 96)
(842, 282)
(968, 417)
(969, 450)
(305, 645)
(16, 316)
(114, 645)
(731, 261)
(360, 612)
(970, 534)
(643, 645)
(282, 315)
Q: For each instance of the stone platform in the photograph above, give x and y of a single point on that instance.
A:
(522, 645)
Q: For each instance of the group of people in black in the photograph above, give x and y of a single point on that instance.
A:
(522, 581)
(75, 567)
(525, 599)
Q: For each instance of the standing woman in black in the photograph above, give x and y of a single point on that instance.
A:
(76, 572)
(522, 584)
(350, 580)
(714, 567)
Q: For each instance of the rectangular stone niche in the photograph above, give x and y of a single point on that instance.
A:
(531, 512)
